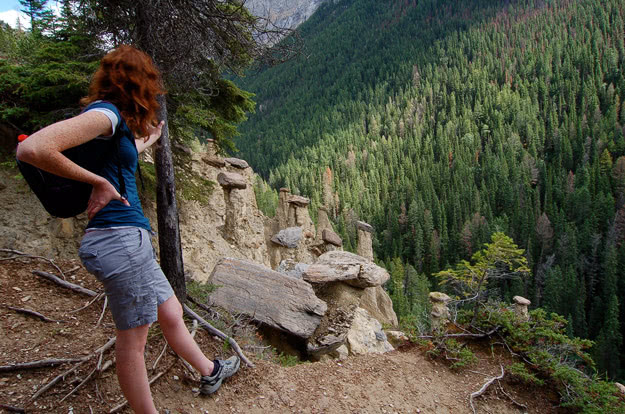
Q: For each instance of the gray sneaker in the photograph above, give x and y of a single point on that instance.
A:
(227, 368)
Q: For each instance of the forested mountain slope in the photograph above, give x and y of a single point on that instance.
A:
(443, 122)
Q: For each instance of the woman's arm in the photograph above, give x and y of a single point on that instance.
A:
(154, 133)
(43, 150)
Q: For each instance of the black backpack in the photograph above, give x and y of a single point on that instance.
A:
(63, 197)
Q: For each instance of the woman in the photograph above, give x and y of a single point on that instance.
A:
(116, 247)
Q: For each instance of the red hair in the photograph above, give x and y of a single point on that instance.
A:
(128, 78)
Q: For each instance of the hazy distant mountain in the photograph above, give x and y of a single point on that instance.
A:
(284, 13)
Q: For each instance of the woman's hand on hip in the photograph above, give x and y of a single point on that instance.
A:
(103, 192)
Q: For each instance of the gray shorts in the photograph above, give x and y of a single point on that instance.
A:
(124, 261)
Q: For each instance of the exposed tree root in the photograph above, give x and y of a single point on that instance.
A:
(484, 388)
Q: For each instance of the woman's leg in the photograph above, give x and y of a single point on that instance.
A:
(179, 338)
(131, 371)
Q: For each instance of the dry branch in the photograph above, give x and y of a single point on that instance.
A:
(58, 378)
(484, 388)
(219, 334)
(160, 355)
(461, 335)
(103, 309)
(12, 409)
(37, 364)
(98, 297)
(65, 284)
(30, 256)
(33, 313)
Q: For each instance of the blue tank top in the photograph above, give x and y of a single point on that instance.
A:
(115, 213)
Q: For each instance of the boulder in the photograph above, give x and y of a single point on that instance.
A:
(361, 225)
(366, 336)
(378, 303)
(620, 387)
(231, 180)
(347, 267)
(331, 237)
(214, 161)
(292, 268)
(280, 301)
(237, 163)
(288, 237)
(521, 307)
(299, 201)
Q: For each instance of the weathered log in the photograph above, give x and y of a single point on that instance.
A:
(267, 296)
(65, 284)
(38, 364)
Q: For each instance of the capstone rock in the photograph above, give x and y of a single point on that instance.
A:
(288, 237)
(280, 301)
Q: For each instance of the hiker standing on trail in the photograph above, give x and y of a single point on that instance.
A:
(116, 247)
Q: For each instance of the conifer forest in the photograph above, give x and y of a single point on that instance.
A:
(442, 123)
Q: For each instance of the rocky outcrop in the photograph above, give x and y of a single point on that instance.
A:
(357, 306)
(346, 267)
(269, 297)
(313, 269)
(365, 243)
(283, 13)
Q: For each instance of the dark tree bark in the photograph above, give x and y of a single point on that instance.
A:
(167, 211)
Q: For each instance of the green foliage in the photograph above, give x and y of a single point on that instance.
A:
(266, 197)
(550, 355)
(519, 370)
(198, 115)
(499, 259)
(200, 291)
(191, 186)
(287, 360)
(41, 79)
(456, 352)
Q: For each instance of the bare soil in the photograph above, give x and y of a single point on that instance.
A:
(402, 381)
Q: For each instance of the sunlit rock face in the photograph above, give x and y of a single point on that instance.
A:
(284, 13)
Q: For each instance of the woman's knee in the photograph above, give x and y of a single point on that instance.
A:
(133, 339)
(170, 312)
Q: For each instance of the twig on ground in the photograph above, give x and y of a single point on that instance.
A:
(510, 398)
(106, 299)
(219, 334)
(72, 270)
(83, 382)
(98, 297)
(160, 355)
(30, 256)
(65, 284)
(12, 409)
(33, 313)
(37, 364)
(484, 388)
(58, 378)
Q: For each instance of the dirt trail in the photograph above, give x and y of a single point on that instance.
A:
(403, 381)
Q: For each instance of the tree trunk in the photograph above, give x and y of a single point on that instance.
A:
(167, 210)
